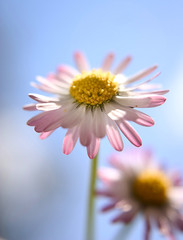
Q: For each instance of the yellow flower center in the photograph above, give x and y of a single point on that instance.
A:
(150, 188)
(94, 88)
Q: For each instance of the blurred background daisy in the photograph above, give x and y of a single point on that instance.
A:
(43, 193)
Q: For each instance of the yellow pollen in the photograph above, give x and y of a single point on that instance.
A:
(94, 88)
(150, 188)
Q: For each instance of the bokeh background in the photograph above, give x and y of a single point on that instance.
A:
(43, 193)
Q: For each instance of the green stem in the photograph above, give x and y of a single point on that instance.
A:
(91, 202)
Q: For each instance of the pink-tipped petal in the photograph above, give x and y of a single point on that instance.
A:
(81, 62)
(176, 178)
(139, 118)
(51, 76)
(125, 217)
(139, 86)
(154, 92)
(44, 135)
(46, 121)
(56, 86)
(41, 98)
(103, 193)
(42, 87)
(147, 229)
(165, 227)
(86, 129)
(63, 80)
(73, 116)
(68, 70)
(129, 132)
(156, 100)
(179, 222)
(93, 148)
(141, 74)
(108, 61)
(123, 64)
(34, 120)
(108, 174)
(70, 140)
(109, 207)
(114, 112)
(113, 135)
(30, 107)
(49, 86)
(99, 128)
(142, 101)
(116, 161)
(46, 127)
(47, 83)
(47, 106)
(136, 116)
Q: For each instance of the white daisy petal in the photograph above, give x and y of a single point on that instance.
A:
(123, 64)
(99, 126)
(72, 117)
(109, 59)
(62, 84)
(176, 194)
(129, 132)
(70, 140)
(42, 99)
(93, 147)
(121, 80)
(116, 162)
(139, 117)
(43, 88)
(143, 101)
(108, 174)
(47, 106)
(107, 207)
(125, 217)
(163, 92)
(46, 82)
(86, 129)
(44, 135)
(147, 228)
(49, 86)
(43, 120)
(113, 135)
(81, 62)
(114, 113)
(139, 86)
(141, 74)
(129, 114)
(67, 70)
(150, 86)
(30, 107)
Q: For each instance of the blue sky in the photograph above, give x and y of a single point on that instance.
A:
(36, 36)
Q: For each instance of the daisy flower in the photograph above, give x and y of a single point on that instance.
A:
(137, 184)
(94, 103)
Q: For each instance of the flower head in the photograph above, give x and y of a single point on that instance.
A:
(94, 103)
(138, 185)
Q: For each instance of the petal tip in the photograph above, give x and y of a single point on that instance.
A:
(111, 54)
(66, 152)
(92, 156)
(77, 54)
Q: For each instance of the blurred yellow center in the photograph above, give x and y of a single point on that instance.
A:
(150, 187)
(94, 88)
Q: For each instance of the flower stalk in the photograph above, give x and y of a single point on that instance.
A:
(91, 200)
